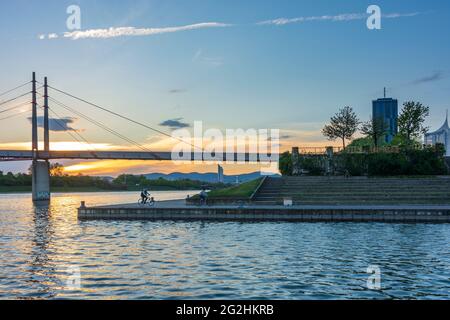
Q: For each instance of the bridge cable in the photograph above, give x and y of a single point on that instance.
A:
(13, 99)
(16, 107)
(98, 124)
(103, 126)
(14, 89)
(58, 122)
(126, 118)
(15, 115)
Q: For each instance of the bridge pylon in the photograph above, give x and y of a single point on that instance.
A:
(40, 167)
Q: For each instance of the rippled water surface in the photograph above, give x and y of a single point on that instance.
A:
(40, 247)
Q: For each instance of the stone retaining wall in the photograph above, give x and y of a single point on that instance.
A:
(269, 214)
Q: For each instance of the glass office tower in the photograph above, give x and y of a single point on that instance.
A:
(387, 109)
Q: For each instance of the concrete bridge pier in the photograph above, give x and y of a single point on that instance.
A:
(41, 180)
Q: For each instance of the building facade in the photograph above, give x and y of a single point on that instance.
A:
(220, 176)
(387, 109)
(442, 135)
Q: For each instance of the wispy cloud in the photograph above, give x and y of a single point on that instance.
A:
(57, 125)
(436, 76)
(210, 61)
(175, 124)
(176, 91)
(114, 32)
(48, 36)
(333, 18)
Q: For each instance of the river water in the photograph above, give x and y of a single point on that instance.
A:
(46, 253)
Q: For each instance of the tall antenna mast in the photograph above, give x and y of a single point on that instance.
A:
(385, 92)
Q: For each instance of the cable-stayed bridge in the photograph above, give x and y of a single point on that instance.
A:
(11, 155)
(40, 157)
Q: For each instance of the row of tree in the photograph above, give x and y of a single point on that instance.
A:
(123, 182)
(345, 124)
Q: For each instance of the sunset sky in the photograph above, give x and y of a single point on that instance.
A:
(260, 64)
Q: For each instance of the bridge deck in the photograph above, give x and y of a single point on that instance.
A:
(9, 155)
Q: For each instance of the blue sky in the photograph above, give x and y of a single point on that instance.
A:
(245, 75)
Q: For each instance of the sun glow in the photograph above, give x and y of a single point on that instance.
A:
(116, 167)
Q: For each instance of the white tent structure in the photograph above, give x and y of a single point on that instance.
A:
(442, 135)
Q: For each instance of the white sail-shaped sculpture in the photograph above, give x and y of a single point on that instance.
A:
(442, 135)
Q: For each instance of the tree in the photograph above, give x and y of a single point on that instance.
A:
(375, 129)
(56, 170)
(411, 120)
(342, 126)
(361, 142)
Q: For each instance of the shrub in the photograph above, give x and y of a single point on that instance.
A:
(313, 165)
(429, 161)
(355, 164)
(409, 161)
(285, 164)
(387, 164)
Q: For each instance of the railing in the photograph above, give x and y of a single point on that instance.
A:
(317, 150)
(385, 149)
(388, 149)
(356, 150)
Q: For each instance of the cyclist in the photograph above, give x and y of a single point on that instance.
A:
(145, 195)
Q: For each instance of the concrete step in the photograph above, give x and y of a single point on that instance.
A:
(418, 184)
(323, 190)
(355, 190)
(437, 181)
(314, 193)
(360, 202)
(355, 193)
(403, 187)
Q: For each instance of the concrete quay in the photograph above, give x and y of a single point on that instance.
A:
(180, 211)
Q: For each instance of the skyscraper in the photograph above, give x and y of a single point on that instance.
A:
(387, 109)
(220, 176)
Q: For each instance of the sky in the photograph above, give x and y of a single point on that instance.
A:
(262, 64)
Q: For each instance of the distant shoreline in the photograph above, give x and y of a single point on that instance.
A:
(25, 190)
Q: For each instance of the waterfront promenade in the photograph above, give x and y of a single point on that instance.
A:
(179, 210)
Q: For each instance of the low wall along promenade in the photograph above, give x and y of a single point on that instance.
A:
(177, 210)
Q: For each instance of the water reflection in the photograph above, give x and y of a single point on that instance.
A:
(148, 260)
(42, 272)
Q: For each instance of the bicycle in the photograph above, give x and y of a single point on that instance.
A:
(150, 202)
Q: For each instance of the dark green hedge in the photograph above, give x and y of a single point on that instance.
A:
(426, 161)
